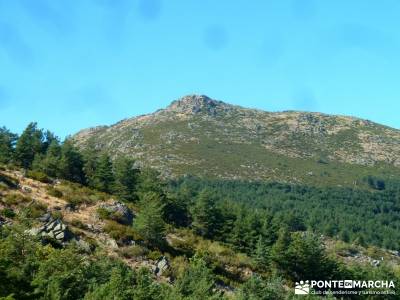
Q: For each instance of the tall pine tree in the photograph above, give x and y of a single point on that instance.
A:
(103, 177)
(28, 145)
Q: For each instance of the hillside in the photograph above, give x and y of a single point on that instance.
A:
(59, 237)
(201, 136)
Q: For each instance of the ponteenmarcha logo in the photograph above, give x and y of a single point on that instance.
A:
(351, 286)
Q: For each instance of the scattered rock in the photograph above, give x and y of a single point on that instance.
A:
(112, 243)
(45, 218)
(69, 207)
(26, 189)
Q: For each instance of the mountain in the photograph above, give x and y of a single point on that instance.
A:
(205, 137)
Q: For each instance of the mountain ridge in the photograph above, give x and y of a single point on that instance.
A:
(194, 129)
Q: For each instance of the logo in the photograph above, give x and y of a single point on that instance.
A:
(302, 288)
(345, 287)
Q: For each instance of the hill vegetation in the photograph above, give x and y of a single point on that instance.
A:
(77, 224)
(200, 136)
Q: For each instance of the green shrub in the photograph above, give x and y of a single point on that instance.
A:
(35, 210)
(154, 255)
(54, 192)
(39, 176)
(134, 251)
(8, 213)
(15, 199)
(104, 214)
(56, 214)
(78, 223)
(76, 194)
(121, 232)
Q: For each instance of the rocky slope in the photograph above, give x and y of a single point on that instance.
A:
(201, 136)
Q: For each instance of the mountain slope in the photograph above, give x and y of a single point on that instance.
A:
(201, 136)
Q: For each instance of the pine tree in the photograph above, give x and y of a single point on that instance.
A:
(149, 222)
(71, 163)
(90, 157)
(28, 145)
(197, 282)
(7, 143)
(279, 256)
(50, 162)
(262, 253)
(206, 215)
(126, 177)
(103, 176)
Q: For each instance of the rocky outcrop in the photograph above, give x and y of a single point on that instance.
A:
(53, 229)
(162, 265)
(119, 212)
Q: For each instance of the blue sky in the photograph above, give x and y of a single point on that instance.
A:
(74, 64)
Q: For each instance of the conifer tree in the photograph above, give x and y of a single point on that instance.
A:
(126, 177)
(149, 222)
(28, 145)
(7, 143)
(71, 163)
(205, 214)
(103, 176)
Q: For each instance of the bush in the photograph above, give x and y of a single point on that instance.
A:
(15, 199)
(134, 251)
(8, 213)
(35, 210)
(76, 194)
(154, 255)
(121, 233)
(54, 192)
(104, 214)
(78, 223)
(39, 176)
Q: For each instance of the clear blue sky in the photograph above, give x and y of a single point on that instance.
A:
(74, 64)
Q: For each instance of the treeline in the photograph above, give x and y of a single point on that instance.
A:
(42, 154)
(248, 210)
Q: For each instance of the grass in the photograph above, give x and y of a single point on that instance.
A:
(77, 194)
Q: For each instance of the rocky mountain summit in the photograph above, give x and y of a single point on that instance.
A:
(201, 136)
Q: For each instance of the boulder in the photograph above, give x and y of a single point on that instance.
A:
(162, 265)
(119, 212)
(45, 218)
(54, 229)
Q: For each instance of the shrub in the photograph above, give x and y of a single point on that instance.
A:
(8, 213)
(39, 176)
(104, 214)
(121, 232)
(35, 210)
(54, 192)
(57, 214)
(134, 251)
(154, 255)
(76, 194)
(15, 199)
(78, 223)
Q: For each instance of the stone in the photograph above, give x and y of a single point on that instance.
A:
(45, 218)
(119, 212)
(112, 243)
(26, 189)
(162, 265)
(59, 236)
